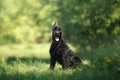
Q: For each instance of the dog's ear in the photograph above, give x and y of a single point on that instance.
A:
(54, 24)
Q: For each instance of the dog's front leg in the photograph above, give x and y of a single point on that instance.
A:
(52, 63)
(65, 64)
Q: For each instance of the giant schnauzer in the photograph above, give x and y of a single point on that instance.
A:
(60, 52)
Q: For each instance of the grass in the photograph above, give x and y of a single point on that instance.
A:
(28, 50)
(31, 62)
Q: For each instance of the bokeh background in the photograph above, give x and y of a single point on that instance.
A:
(90, 27)
(84, 22)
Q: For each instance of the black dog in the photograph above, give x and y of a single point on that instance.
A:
(60, 52)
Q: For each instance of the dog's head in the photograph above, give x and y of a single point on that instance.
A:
(56, 32)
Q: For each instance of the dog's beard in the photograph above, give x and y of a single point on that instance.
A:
(57, 39)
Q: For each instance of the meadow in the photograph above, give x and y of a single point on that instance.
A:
(31, 62)
(91, 26)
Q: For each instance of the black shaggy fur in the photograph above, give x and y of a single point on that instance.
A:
(60, 52)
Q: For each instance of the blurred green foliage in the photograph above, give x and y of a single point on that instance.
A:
(25, 21)
(91, 23)
(85, 22)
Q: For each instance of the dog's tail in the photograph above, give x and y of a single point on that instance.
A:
(76, 60)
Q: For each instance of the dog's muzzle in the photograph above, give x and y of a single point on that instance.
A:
(57, 35)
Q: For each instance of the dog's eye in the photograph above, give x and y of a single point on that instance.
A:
(55, 28)
(59, 29)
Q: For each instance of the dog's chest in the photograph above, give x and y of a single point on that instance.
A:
(58, 46)
(60, 49)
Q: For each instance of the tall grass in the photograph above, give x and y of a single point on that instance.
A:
(40, 71)
(98, 64)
